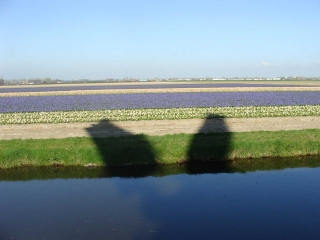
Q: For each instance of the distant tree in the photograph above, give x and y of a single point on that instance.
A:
(46, 80)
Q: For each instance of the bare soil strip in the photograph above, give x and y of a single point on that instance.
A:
(155, 127)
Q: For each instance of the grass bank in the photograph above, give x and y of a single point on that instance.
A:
(142, 149)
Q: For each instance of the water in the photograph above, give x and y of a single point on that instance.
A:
(245, 200)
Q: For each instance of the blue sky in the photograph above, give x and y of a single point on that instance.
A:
(98, 39)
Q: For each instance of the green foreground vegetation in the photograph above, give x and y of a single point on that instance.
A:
(143, 149)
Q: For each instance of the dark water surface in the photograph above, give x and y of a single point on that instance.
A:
(267, 199)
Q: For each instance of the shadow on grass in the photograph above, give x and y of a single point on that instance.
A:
(120, 147)
(211, 144)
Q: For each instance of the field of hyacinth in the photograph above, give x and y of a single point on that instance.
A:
(74, 87)
(72, 107)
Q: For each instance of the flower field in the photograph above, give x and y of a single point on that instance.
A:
(158, 114)
(134, 86)
(94, 107)
(156, 100)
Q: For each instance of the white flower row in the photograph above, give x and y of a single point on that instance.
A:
(158, 114)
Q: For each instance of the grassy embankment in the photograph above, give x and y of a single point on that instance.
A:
(142, 149)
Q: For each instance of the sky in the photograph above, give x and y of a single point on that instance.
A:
(99, 39)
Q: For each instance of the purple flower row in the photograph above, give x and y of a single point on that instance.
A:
(156, 100)
(135, 86)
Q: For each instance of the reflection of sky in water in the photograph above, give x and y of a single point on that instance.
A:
(263, 204)
(73, 209)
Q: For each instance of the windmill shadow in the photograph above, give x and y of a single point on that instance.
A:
(210, 145)
(118, 147)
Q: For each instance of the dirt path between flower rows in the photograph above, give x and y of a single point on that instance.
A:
(65, 130)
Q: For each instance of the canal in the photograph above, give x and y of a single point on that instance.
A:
(248, 199)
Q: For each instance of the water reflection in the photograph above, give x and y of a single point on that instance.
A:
(73, 209)
(279, 204)
(238, 166)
